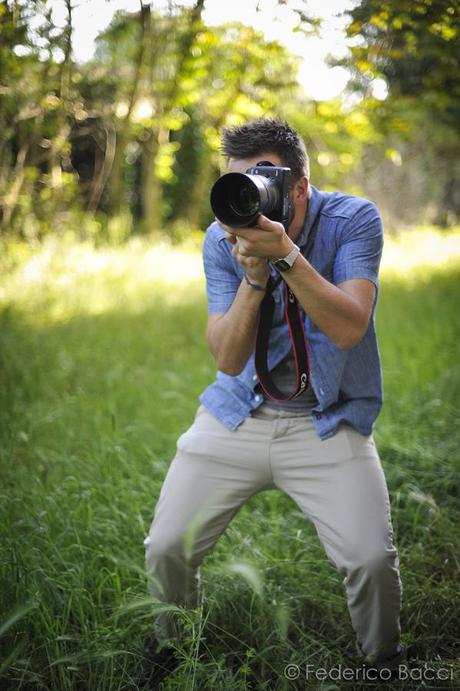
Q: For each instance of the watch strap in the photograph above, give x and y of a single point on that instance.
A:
(286, 263)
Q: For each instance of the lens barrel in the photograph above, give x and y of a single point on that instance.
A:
(237, 199)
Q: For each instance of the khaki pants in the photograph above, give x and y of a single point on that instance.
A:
(338, 483)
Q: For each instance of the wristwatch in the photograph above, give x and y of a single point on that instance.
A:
(286, 263)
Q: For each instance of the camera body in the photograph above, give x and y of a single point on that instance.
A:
(237, 199)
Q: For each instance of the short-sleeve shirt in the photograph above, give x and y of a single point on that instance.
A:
(348, 243)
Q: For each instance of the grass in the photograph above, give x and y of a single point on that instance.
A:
(102, 358)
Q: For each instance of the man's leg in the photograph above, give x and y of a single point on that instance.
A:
(339, 483)
(213, 473)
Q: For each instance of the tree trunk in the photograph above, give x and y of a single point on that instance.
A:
(104, 169)
(116, 182)
(151, 185)
(192, 213)
(116, 172)
(10, 200)
(152, 188)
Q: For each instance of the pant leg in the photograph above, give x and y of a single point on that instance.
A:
(339, 483)
(214, 472)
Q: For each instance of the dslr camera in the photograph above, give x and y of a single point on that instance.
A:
(237, 199)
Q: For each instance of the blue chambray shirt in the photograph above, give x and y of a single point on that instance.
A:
(347, 383)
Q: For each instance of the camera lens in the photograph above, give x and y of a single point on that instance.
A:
(238, 198)
(235, 200)
(243, 198)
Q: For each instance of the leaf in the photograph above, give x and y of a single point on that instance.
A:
(250, 574)
(17, 615)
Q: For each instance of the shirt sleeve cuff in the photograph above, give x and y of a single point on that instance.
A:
(218, 307)
(348, 272)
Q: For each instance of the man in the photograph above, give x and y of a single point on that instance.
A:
(318, 446)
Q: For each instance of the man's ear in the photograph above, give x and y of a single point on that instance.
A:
(302, 189)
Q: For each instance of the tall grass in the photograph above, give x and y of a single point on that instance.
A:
(103, 357)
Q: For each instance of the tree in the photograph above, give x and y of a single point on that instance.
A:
(413, 45)
(213, 76)
(37, 108)
(247, 76)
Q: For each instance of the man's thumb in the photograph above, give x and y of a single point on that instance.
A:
(264, 223)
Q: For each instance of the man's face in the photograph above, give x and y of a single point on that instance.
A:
(298, 202)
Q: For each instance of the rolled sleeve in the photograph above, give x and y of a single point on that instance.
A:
(222, 281)
(360, 249)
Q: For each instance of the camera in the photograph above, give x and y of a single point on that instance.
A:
(237, 199)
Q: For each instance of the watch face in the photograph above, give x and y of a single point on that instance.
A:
(282, 265)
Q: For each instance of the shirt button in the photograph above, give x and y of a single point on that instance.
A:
(321, 392)
(255, 377)
(257, 399)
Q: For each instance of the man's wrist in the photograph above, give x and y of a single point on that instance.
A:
(256, 284)
(286, 246)
(286, 260)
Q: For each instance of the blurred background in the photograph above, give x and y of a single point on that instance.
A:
(110, 110)
(110, 113)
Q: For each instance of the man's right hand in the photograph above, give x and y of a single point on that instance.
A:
(256, 268)
(231, 335)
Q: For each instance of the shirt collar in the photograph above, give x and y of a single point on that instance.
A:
(314, 204)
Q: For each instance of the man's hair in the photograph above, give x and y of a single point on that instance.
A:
(267, 135)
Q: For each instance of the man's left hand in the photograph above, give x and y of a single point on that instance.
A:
(267, 239)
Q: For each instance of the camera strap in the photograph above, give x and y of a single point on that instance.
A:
(295, 322)
(298, 340)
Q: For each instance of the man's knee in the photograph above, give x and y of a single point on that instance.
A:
(180, 547)
(373, 563)
(163, 545)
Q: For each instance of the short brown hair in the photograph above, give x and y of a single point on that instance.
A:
(263, 135)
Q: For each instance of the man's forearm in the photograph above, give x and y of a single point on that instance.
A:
(342, 312)
(335, 312)
(231, 337)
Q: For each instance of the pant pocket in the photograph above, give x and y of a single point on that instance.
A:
(338, 447)
(362, 446)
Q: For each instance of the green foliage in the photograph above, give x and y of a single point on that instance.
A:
(413, 46)
(135, 132)
(103, 356)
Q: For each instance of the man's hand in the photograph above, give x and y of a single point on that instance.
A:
(256, 268)
(254, 246)
(342, 312)
(267, 239)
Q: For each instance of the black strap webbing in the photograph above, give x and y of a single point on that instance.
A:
(299, 344)
(297, 335)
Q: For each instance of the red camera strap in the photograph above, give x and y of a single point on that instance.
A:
(299, 343)
(295, 322)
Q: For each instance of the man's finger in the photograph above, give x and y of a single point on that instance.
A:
(264, 223)
(246, 233)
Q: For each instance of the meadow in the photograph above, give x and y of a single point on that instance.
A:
(102, 360)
